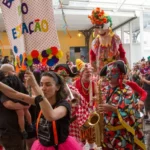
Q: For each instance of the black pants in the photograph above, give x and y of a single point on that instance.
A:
(12, 142)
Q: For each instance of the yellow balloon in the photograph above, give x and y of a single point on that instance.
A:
(40, 58)
(59, 54)
(50, 56)
(29, 57)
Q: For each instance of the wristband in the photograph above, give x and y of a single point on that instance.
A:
(38, 99)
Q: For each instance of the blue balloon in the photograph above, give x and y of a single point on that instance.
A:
(21, 57)
(50, 62)
(15, 49)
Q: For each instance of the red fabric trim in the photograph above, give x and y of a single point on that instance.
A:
(138, 89)
(122, 53)
(92, 56)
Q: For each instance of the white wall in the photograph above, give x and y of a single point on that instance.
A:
(134, 55)
(127, 50)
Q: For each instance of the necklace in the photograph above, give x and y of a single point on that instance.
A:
(84, 89)
(82, 84)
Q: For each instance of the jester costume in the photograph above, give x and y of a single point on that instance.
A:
(79, 115)
(123, 128)
(84, 89)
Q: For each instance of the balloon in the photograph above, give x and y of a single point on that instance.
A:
(34, 54)
(40, 58)
(50, 56)
(54, 50)
(44, 54)
(29, 62)
(36, 61)
(59, 54)
(29, 57)
(44, 61)
(48, 51)
(55, 59)
(15, 49)
(21, 57)
(50, 63)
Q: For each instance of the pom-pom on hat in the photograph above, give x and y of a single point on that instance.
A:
(81, 65)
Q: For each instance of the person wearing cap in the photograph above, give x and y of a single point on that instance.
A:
(122, 121)
(89, 92)
(79, 107)
(106, 46)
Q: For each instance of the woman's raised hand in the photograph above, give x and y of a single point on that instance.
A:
(30, 79)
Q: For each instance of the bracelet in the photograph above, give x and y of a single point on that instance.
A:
(38, 99)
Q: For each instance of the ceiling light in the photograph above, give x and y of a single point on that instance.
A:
(79, 34)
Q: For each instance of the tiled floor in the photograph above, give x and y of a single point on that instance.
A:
(147, 137)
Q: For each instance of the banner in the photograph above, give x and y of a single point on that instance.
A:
(31, 29)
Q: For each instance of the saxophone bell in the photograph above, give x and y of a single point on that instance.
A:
(91, 121)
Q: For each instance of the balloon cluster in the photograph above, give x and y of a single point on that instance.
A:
(47, 57)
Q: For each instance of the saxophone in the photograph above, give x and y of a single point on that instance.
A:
(94, 117)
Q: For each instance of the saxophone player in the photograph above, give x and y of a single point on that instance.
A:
(122, 121)
(87, 87)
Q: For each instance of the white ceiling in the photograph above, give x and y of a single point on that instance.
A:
(77, 11)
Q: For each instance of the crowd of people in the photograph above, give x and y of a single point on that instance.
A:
(69, 105)
(54, 112)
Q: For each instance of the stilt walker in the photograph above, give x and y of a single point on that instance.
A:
(105, 48)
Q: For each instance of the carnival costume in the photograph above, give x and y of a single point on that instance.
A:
(84, 89)
(123, 129)
(79, 111)
(107, 46)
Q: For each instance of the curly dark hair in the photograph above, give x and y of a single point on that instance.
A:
(61, 93)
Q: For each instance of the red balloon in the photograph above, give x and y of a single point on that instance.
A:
(44, 61)
(54, 50)
(34, 54)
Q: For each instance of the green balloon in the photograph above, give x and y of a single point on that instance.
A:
(49, 51)
(29, 62)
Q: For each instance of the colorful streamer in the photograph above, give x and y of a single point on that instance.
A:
(64, 18)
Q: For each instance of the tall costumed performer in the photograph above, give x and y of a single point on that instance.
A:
(105, 48)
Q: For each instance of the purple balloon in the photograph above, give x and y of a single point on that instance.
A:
(44, 54)
(36, 61)
(55, 59)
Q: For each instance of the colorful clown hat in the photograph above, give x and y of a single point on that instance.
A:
(100, 18)
(66, 70)
(81, 65)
